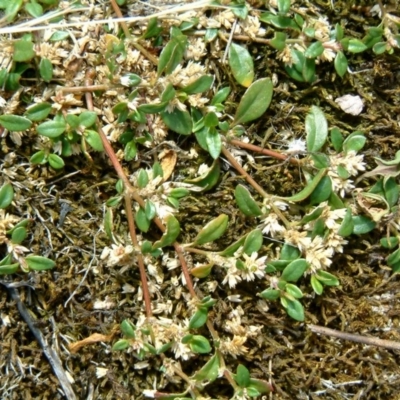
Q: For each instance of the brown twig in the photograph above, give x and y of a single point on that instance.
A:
(127, 197)
(266, 152)
(248, 178)
(387, 344)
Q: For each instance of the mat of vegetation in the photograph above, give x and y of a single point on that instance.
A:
(192, 192)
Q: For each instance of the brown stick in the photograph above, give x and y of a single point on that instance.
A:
(387, 344)
(241, 171)
(267, 152)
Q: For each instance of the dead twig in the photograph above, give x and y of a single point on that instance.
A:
(387, 344)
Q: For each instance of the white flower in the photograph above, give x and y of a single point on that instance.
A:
(117, 254)
(272, 226)
(318, 254)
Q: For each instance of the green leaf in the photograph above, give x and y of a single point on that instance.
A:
(122, 344)
(130, 150)
(128, 329)
(347, 226)
(178, 121)
(38, 112)
(326, 278)
(336, 139)
(23, 50)
(8, 269)
(293, 291)
(6, 195)
(51, 129)
(391, 191)
(316, 128)
(260, 386)
(200, 85)
(306, 192)
(253, 242)
(57, 36)
(199, 318)
(211, 34)
(109, 222)
(212, 231)
(247, 205)
(169, 93)
(15, 122)
(171, 233)
(278, 42)
(209, 179)
(314, 50)
(46, 69)
(341, 64)
(279, 21)
(221, 96)
(283, 6)
(131, 80)
(254, 102)
(34, 9)
(56, 161)
(199, 344)
(153, 30)
(356, 46)
(321, 160)
(387, 243)
(12, 8)
(153, 108)
(289, 252)
(209, 372)
(270, 294)
(295, 270)
(39, 263)
(308, 70)
(354, 142)
(214, 143)
(231, 249)
(242, 377)
(150, 209)
(142, 222)
(172, 54)
(94, 139)
(295, 310)
(393, 258)
(322, 192)
(202, 271)
(113, 201)
(19, 235)
(241, 64)
(316, 285)
(87, 118)
(38, 158)
(362, 224)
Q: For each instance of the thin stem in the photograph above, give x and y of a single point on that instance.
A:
(80, 89)
(127, 197)
(387, 344)
(142, 269)
(266, 152)
(185, 270)
(242, 172)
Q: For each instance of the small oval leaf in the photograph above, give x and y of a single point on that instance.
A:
(241, 64)
(254, 102)
(213, 230)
